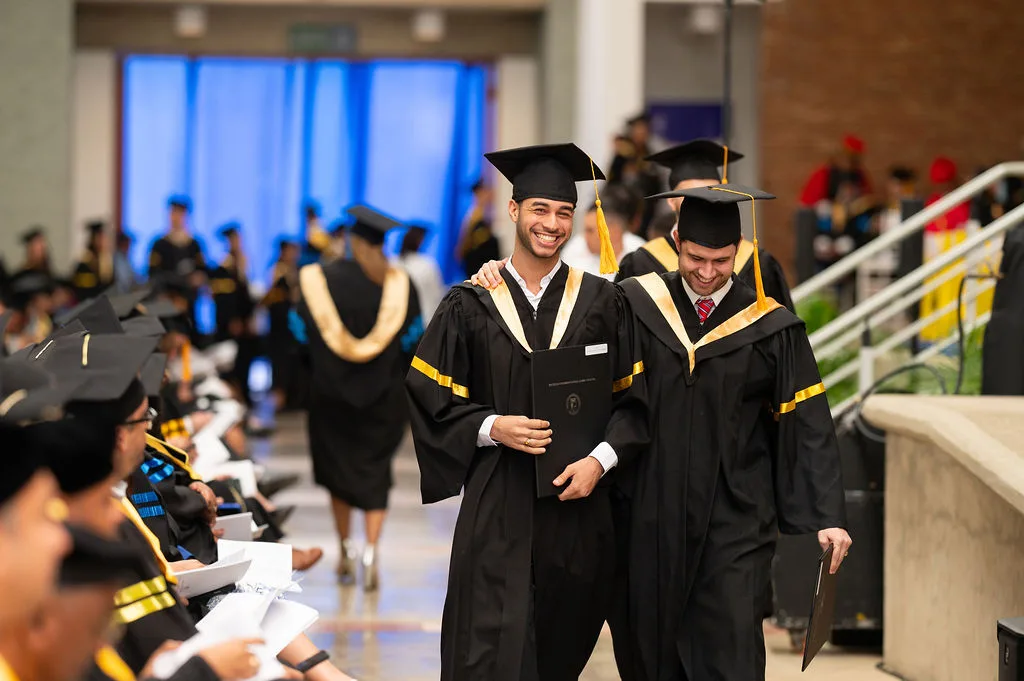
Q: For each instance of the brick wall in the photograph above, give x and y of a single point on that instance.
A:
(913, 78)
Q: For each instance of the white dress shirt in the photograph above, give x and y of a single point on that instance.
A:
(716, 297)
(604, 453)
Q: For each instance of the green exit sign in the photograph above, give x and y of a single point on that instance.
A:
(331, 39)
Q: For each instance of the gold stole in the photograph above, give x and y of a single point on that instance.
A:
(394, 304)
(133, 515)
(663, 253)
(111, 664)
(656, 288)
(180, 458)
(502, 297)
(743, 253)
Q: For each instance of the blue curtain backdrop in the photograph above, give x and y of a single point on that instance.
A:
(251, 139)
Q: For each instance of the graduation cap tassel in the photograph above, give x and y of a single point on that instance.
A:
(725, 164)
(608, 263)
(186, 360)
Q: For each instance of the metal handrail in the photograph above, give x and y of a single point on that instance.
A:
(864, 310)
(908, 227)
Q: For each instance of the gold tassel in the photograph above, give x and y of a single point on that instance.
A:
(186, 361)
(725, 164)
(609, 265)
(762, 302)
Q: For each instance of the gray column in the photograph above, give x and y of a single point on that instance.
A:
(558, 74)
(36, 53)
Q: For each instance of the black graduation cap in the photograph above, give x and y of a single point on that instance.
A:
(125, 304)
(5, 318)
(546, 171)
(229, 230)
(32, 233)
(96, 560)
(370, 224)
(107, 363)
(642, 117)
(144, 325)
(94, 227)
(31, 393)
(79, 449)
(96, 315)
(180, 201)
(695, 160)
(25, 286)
(338, 227)
(152, 374)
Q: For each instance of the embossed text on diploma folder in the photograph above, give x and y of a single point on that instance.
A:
(572, 389)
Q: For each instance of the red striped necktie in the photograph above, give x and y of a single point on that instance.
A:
(704, 308)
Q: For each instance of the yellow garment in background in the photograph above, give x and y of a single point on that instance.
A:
(935, 244)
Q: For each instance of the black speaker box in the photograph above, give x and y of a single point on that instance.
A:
(1011, 649)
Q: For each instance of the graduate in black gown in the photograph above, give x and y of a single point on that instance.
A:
(531, 579)
(229, 284)
(360, 320)
(281, 345)
(177, 255)
(477, 243)
(1002, 370)
(743, 447)
(695, 164)
(94, 271)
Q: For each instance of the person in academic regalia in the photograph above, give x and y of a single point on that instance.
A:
(531, 579)
(847, 167)
(30, 301)
(32, 538)
(632, 167)
(695, 164)
(282, 347)
(422, 268)
(360, 321)
(316, 241)
(177, 254)
(37, 253)
(743, 447)
(95, 270)
(229, 283)
(1002, 363)
(477, 243)
(621, 208)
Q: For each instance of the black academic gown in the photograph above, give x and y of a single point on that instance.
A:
(530, 580)
(167, 258)
(655, 257)
(357, 411)
(281, 345)
(481, 246)
(1002, 369)
(230, 287)
(743, 447)
(92, 276)
(149, 609)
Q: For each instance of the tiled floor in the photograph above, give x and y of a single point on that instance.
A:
(394, 635)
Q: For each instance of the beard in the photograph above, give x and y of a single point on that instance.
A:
(523, 237)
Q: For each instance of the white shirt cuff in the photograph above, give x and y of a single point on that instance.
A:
(483, 438)
(605, 456)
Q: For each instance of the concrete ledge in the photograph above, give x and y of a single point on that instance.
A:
(954, 531)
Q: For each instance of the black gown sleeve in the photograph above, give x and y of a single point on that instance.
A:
(775, 284)
(809, 492)
(627, 267)
(444, 416)
(627, 431)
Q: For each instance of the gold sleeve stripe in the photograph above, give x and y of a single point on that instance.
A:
(135, 592)
(139, 609)
(442, 380)
(624, 383)
(111, 664)
(805, 394)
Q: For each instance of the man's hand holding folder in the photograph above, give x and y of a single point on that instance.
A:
(585, 474)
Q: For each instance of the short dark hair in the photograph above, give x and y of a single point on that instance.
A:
(661, 225)
(413, 239)
(620, 201)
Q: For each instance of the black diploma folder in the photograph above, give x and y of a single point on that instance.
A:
(572, 389)
(823, 608)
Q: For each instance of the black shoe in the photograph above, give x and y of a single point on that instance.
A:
(281, 515)
(272, 484)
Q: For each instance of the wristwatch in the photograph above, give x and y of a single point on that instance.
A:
(313, 661)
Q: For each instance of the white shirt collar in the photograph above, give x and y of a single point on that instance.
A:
(716, 297)
(533, 298)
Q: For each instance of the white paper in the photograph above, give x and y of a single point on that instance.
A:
(236, 527)
(271, 563)
(599, 349)
(212, 577)
(242, 471)
(284, 621)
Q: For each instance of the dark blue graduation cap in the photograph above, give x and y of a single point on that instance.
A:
(181, 202)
